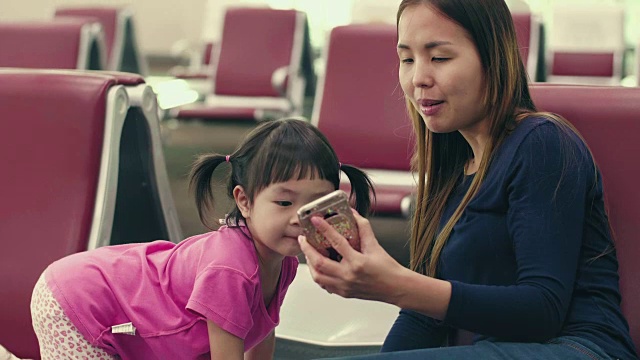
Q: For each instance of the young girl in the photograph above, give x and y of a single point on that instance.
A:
(215, 295)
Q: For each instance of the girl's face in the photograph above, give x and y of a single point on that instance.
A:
(272, 217)
(440, 71)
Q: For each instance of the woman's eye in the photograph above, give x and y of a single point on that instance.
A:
(284, 203)
(439, 59)
(407, 61)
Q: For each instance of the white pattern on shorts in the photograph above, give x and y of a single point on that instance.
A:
(57, 336)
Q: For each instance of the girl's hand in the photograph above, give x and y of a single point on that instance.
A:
(369, 274)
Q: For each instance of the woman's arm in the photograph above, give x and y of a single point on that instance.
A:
(545, 219)
(264, 350)
(224, 345)
(373, 274)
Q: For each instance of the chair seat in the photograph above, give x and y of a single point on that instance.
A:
(205, 112)
(208, 112)
(185, 75)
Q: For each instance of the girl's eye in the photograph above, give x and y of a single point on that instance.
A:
(284, 203)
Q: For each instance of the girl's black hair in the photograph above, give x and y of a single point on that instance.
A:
(277, 151)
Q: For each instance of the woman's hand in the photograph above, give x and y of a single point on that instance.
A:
(370, 274)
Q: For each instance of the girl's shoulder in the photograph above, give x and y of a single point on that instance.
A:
(231, 248)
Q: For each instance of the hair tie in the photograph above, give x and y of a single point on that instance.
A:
(227, 158)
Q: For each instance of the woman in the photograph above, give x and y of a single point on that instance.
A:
(510, 239)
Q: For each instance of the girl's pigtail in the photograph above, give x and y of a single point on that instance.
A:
(200, 182)
(361, 187)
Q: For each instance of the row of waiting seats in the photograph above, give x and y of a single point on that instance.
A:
(584, 45)
(262, 71)
(101, 38)
(359, 81)
(94, 167)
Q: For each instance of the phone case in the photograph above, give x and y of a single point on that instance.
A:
(335, 209)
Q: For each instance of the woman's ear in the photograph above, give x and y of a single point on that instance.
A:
(242, 200)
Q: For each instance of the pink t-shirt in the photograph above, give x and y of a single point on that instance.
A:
(168, 291)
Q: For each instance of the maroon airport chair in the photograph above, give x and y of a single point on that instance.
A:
(360, 107)
(611, 132)
(262, 67)
(123, 52)
(59, 44)
(586, 44)
(82, 168)
(199, 69)
(529, 31)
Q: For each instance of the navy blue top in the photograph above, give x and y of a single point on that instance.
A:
(531, 258)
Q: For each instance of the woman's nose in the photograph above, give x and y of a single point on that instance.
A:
(422, 75)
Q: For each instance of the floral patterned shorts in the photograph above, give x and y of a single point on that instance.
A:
(57, 336)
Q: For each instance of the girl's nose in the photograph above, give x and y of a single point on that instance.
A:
(294, 220)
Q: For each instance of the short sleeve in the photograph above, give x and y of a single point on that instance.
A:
(226, 297)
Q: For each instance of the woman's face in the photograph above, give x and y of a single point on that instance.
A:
(440, 71)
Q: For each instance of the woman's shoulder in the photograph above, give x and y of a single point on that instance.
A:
(540, 132)
(544, 141)
(536, 124)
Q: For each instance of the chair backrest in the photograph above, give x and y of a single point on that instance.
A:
(123, 53)
(528, 31)
(144, 207)
(359, 105)
(60, 44)
(586, 44)
(255, 43)
(611, 133)
(48, 191)
(207, 50)
(71, 187)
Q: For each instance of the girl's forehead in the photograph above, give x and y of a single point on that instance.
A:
(305, 186)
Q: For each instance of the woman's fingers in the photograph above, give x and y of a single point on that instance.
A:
(365, 231)
(317, 262)
(337, 241)
(323, 270)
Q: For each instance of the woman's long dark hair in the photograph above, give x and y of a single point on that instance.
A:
(439, 158)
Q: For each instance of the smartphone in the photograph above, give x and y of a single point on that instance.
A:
(335, 209)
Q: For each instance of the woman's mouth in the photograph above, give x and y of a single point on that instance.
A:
(430, 107)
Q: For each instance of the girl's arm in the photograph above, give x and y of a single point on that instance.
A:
(264, 350)
(224, 345)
